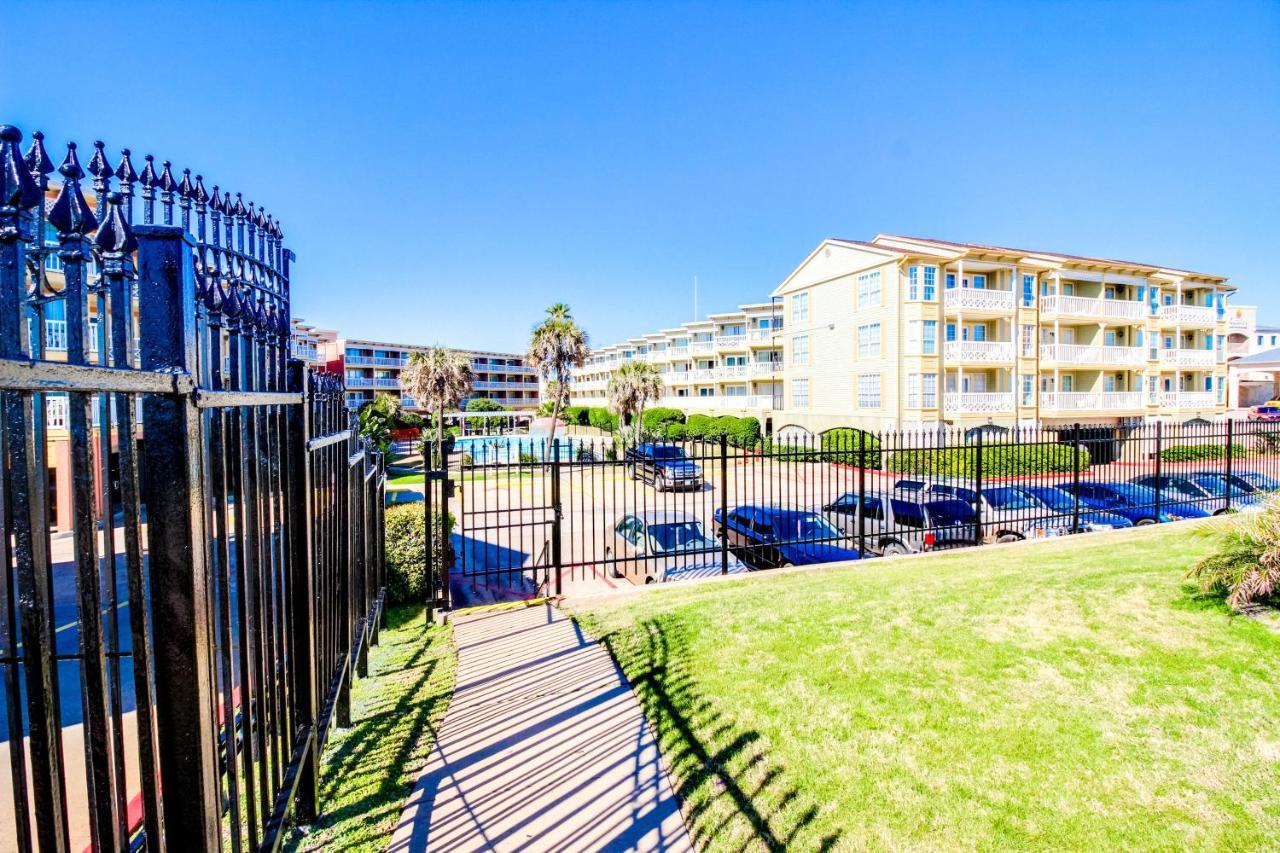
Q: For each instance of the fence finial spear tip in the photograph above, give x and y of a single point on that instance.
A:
(185, 188)
(70, 213)
(115, 235)
(149, 172)
(17, 187)
(202, 195)
(167, 183)
(125, 171)
(239, 209)
(98, 166)
(37, 158)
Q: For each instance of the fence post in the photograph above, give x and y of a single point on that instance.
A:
(1075, 478)
(860, 509)
(446, 491)
(724, 505)
(1159, 481)
(1230, 439)
(556, 516)
(977, 489)
(173, 491)
(428, 529)
(301, 588)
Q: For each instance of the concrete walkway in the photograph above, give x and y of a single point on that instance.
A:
(544, 747)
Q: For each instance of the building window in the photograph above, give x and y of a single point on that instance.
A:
(800, 349)
(869, 391)
(951, 281)
(951, 331)
(929, 390)
(869, 340)
(913, 390)
(922, 282)
(1028, 290)
(800, 393)
(929, 341)
(869, 289)
(930, 283)
(913, 283)
(1028, 391)
(800, 308)
(1029, 341)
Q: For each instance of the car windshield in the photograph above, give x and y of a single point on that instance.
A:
(679, 536)
(1054, 499)
(1010, 498)
(1133, 493)
(666, 451)
(795, 526)
(947, 513)
(1261, 481)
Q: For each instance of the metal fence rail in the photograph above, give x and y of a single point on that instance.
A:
(172, 660)
(537, 518)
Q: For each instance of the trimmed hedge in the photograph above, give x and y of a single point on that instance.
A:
(658, 419)
(740, 432)
(1200, 452)
(697, 426)
(406, 552)
(575, 415)
(842, 445)
(996, 461)
(602, 419)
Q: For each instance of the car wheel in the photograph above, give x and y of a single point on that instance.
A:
(1143, 522)
(1008, 537)
(1222, 511)
(894, 549)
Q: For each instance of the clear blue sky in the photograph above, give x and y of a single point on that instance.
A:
(446, 171)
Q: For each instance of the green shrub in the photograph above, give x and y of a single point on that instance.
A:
(406, 552)
(996, 461)
(602, 419)
(843, 444)
(657, 419)
(1245, 568)
(1200, 452)
(528, 458)
(744, 433)
(697, 426)
(480, 404)
(675, 432)
(574, 415)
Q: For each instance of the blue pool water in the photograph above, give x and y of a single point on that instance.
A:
(505, 449)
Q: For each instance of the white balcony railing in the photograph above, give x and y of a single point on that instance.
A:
(1188, 400)
(702, 347)
(720, 401)
(1082, 306)
(1090, 401)
(1176, 357)
(678, 352)
(369, 382)
(376, 361)
(762, 336)
(979, 299)
(765, 368)
(987, 352)
(678, 377)
(731, 341)
(1088, 354)
(702, 375)
(1188, 315)
(978, 403)
(731, 371)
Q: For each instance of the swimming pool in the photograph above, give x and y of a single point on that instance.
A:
(510, 449)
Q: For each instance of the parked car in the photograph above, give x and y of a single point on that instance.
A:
(1268, 413)
(666, 466)
(1134, 502)
(892, 525)
(663, 546)
(1007, 515)
(403, 496)
(1259, 481)
(1061, 503)
(769, 537)
(1208, 491)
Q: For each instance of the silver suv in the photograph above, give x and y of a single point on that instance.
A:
(1008, 514)
(899, 525)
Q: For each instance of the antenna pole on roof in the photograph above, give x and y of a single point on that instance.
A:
(695, 298)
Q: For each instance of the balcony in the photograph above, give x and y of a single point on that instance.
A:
(990, 403)
(1102, 356)
(1188, 315)
(765, 368)
(979, 300)
(731, 372)
(983, 352)
(1199, 400)
(498, 385)
(720, 401)
(702, 347)
(703, 374)
(762, 336)
(1125, 310)
(371, 361)
(678, 352)
(370, 382)
(1193, 358)
(731, 341)
(1090, 401)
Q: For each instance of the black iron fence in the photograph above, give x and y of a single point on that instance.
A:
(192, 552)
(595, 512)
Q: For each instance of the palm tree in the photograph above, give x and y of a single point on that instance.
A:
(556, 347)
(438, 378)
(630, 389)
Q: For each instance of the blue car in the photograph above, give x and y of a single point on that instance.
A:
(1134, 502)
(1248, 482)
(1061, 503)
(770, 537)
(1206, 490)
(666, 466)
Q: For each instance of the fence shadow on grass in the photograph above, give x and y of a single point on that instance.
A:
(370, 769)
(734, 795)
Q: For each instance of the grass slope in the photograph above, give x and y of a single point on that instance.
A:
(370, 769)
(1070, 695)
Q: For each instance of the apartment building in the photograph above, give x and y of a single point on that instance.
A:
(729, 363)
(1247, 383)
(910, 333)
(374, 367)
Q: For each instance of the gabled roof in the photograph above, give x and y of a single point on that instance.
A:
(1269, 357)
(1040, 254)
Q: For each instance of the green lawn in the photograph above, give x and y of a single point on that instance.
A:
(406, 480)
(1069, 695)
(370, 769)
